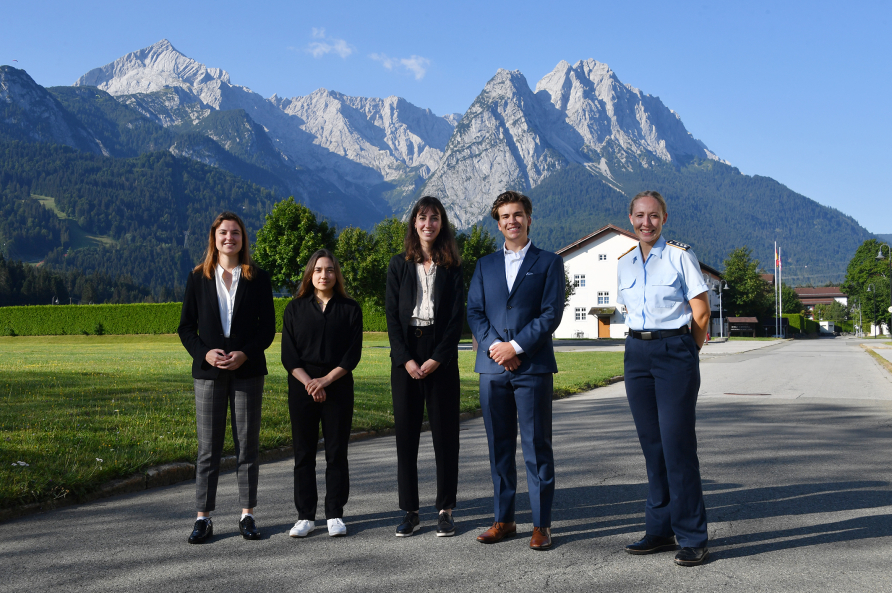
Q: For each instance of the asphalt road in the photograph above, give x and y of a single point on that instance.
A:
(795, 452)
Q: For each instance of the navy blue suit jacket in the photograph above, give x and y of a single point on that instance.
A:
(529, 314)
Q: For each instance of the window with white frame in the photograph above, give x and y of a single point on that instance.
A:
(603, 297)
(579, 280)
(602, 257)
(580, 313)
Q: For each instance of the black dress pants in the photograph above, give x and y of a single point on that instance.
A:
(440, 391)
(336, 415)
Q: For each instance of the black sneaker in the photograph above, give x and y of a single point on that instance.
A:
(410, 524)
(248, 528)
(445, 525)
(201, 531)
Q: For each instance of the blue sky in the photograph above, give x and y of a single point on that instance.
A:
(796, 91)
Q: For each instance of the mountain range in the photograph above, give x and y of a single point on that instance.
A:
(580, 143)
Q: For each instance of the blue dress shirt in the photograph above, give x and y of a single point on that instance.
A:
(656, 291)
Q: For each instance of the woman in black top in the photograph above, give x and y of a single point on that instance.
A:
(227, 321)
(321, 345)
(425, 314)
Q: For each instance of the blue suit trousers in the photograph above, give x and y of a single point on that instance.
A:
(508, 399)
(662, 379)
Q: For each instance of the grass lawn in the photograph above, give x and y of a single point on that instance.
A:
(81, 410)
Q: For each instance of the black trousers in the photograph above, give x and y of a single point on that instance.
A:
(336, 416)
(440, 391)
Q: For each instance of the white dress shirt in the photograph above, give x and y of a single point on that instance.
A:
(423, 313)
(513, 261)
(226, 298)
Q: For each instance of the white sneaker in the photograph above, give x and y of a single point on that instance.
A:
(336, 527)
(302, 528)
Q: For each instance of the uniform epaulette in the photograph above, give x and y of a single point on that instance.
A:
(679, 245)
(627, 252)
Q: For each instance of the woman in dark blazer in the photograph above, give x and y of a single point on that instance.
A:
(425, 315)
(227, 322)
(321, 345)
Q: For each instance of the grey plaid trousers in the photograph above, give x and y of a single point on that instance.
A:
(212, 399)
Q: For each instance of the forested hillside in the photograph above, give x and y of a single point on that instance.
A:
(132, 215)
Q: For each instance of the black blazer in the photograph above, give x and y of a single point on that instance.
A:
(252, 329)
(449, 309)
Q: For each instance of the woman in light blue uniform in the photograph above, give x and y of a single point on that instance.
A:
(667, 309)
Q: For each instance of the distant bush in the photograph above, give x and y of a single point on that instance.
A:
(141, 318)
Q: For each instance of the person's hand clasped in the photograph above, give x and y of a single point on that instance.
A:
(316, 388)
(429, 366)
(503, 353)
(414, 370)
(228, 362)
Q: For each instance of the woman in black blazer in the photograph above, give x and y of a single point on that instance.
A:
(321, 345)
(227, 321)
(425, 314)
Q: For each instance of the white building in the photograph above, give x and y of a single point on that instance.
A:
(591, 265)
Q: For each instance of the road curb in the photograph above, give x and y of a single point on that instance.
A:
(174, 473)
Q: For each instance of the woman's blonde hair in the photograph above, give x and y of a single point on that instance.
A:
(648, 194)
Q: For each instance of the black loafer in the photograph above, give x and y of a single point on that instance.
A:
(248, 528)
(410, 523)
(651, 544)
(691, 556)
(445, 525)
(201, 532)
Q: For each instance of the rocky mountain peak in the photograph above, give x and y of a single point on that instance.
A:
(151, 69)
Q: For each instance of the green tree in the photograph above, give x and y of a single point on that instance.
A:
(287, 240)
(790, 302)
(865, 269)
(569, 287)
(356, 252)
(748, 294)
(835, 311)
(477, 242)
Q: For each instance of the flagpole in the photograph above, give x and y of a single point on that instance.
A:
(775, 289)
(780, 275)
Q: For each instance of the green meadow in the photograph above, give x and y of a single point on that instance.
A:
(77, 411)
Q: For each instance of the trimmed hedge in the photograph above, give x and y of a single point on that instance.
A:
(140, 318)
(802, 324)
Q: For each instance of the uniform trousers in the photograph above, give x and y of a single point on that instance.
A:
(508, 399)
(440, 392)
(336, 416)
(212, 399)
(662, 378)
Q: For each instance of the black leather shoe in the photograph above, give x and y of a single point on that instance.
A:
(445, 525)
(652, 544)
(691, 556)
(410, 523)
(248, 528)
(201, 532)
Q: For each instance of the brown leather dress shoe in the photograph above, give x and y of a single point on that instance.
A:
(541, 539)
(497, 533)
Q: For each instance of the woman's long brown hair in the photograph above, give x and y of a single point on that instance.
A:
(209, 264)
(306, 284)
(445, 250)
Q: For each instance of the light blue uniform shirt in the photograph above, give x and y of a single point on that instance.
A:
(656, 292)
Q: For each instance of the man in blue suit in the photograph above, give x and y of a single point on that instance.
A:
(515, 303)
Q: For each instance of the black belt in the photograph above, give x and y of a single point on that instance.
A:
(659, 334)
(422, 330)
